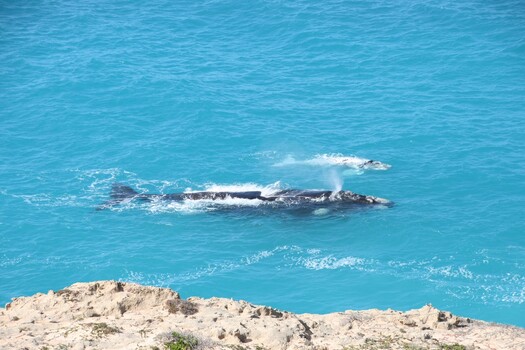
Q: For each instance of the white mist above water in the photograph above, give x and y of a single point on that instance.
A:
(335, 179)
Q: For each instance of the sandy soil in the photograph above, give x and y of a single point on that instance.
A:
(115, 315)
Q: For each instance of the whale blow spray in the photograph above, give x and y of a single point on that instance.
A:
(335, 180)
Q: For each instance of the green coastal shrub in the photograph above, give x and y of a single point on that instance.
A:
(181, 342)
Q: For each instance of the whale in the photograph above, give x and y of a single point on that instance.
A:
(337, 160)
(121, 193)
(355, 162)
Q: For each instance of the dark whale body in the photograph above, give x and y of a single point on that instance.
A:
(121, 193)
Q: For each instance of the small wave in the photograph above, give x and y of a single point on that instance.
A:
(263, 155)
(291, 255)
(98, 177)
(167, 279)
(5, 261)
(313, 259)
(457, 281)
(332, 263)
(289, 160)
(98, 181)
(49, 200)
(451, 271)
(514, 297)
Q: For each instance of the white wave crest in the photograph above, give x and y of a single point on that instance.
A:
(332, 263)
(451, 271)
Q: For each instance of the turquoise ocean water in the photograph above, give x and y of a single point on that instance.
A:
(173, 95)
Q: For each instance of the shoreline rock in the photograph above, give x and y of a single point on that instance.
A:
(118, 315)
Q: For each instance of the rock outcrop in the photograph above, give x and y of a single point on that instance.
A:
(117, 315)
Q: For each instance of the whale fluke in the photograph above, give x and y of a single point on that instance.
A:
(120, 191)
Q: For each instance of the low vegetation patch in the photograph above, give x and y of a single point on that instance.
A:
(375, 344)
(102, 329)
(413, 347)
(185, 307)
(453, 347)
(236, 347)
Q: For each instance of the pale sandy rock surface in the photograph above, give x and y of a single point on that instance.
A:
(115, 315)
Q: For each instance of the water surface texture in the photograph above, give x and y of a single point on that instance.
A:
(170, 96)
